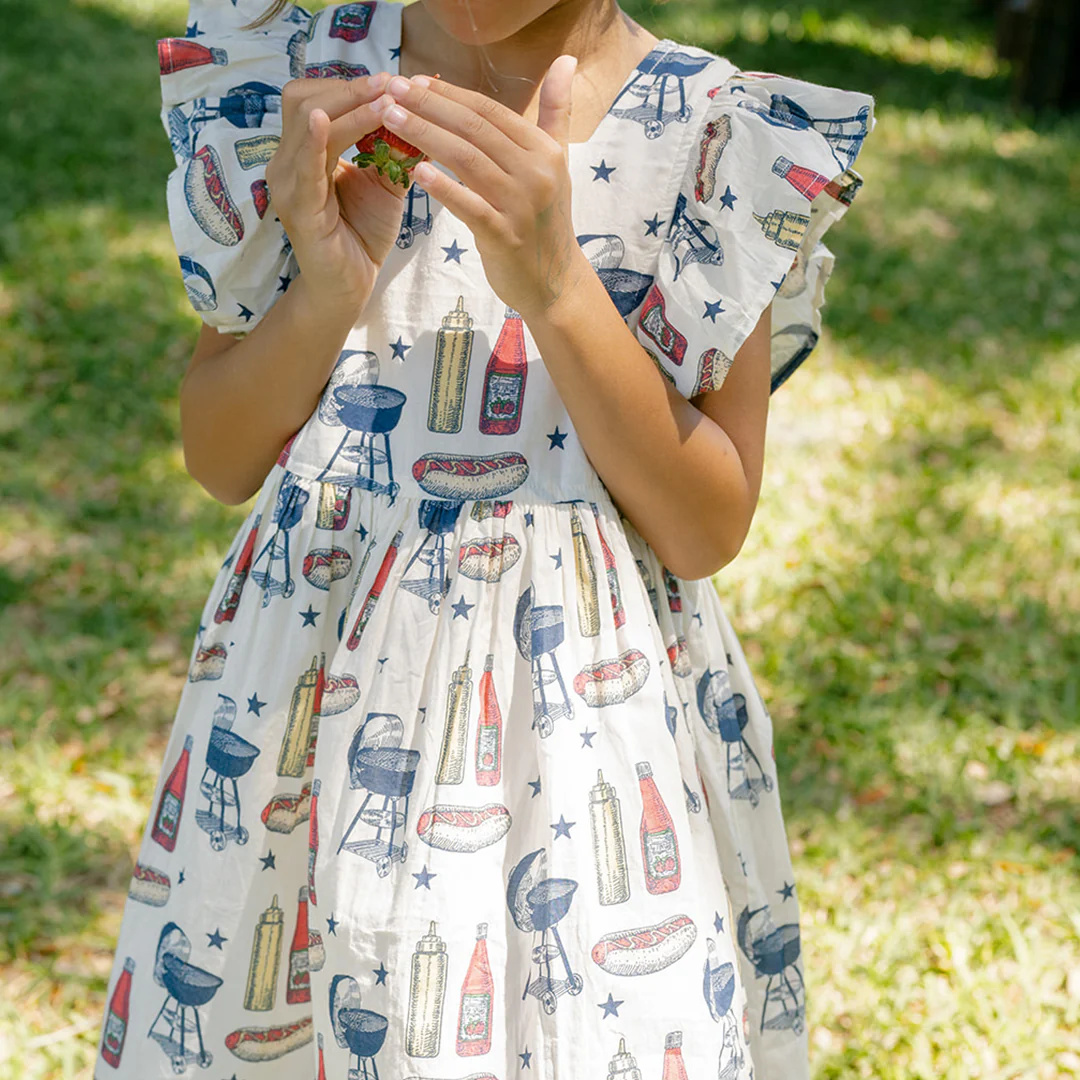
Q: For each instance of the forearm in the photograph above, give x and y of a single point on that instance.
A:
(672, 471)
(239, 407)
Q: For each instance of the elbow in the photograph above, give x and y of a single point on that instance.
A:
(217, 485)
(706, 552)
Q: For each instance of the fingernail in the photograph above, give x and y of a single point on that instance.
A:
(398, 85)
(421, 80)
(381, 103)
(395, 115)
(377, 82)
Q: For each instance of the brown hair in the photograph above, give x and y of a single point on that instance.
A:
(271, 13)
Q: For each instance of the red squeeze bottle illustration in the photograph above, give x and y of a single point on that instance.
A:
(375, 592)
(116, 1022)
(313, 840)
(659, 845)
(504, 380)
(176, 54)
(805, 181)
(674, 1066)
(231, 600)
(488, 730)
(299, 986)
(617, 609)
(171, 804)
(322, 1063)
(477, 999)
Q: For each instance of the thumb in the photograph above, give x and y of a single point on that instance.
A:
(554, 113)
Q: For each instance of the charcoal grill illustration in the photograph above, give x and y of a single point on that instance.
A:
(186, 988)
(243, 106)
(228, 756)
(379, 766)
(844, 134)
(725, 715)
(719, 991)
(360, 1031)
(538, 904)
(693, 240)
(415, 219)
(288, 510)
(439, 517)
(367, 412)
(662, 74)
(539, 631)
(774, 952)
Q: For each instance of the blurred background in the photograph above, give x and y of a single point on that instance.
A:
(909, 595)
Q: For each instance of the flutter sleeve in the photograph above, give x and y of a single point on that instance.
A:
(221, 106)
(769, 171)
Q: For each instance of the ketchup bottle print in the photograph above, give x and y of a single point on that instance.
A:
(374, 592)
(674, 1066)
(171, 804)
(805, 181)
(226, 610)
(313, 840)
(477, 997)
(618, 611)
(176, 54)
(504, 380)
(659, 846)
(299, 986)
(488, 730)
(116, 1021)
(322, 1062)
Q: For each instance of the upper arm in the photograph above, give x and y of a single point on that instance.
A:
(741, 404)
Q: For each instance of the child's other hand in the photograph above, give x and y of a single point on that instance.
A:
(342, 221)
(514, 192)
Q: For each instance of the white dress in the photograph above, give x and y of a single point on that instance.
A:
(463, 782)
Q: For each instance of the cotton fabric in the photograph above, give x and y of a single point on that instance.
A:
(505, 795)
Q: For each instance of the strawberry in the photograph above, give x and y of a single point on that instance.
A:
(391, 155)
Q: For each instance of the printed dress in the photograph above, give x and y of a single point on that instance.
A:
(463, 782)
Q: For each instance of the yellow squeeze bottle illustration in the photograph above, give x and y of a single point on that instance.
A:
(427, 992)
(294, 743)
(609, 844)
(453, 347)
(451, 768)
(265, 959)
(588, 602)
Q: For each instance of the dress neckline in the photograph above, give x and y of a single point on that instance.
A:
(658, 50)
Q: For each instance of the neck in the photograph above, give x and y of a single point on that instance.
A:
(511, 70)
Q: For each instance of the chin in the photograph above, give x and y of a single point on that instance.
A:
(483, 22)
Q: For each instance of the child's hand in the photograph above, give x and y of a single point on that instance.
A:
(342, 221)
(515, 189)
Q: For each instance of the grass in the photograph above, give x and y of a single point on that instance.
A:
(909, 594)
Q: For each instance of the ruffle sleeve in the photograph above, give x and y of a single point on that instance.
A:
(769, 171)
(221, 106)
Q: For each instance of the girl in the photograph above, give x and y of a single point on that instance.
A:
(470, 776)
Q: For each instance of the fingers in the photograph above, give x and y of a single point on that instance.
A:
(465, 158)
(554, 116)
(436, 98)
(333, 96)
(352, 126)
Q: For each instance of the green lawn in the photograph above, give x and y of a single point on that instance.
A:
(909, 594)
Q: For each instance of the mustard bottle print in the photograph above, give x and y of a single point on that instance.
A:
(451, 768)
(427, 993)
(609, 843)
(265, 959)
(294, 743)
(588, 602)
(453, 348)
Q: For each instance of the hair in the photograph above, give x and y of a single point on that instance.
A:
(271, 13)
